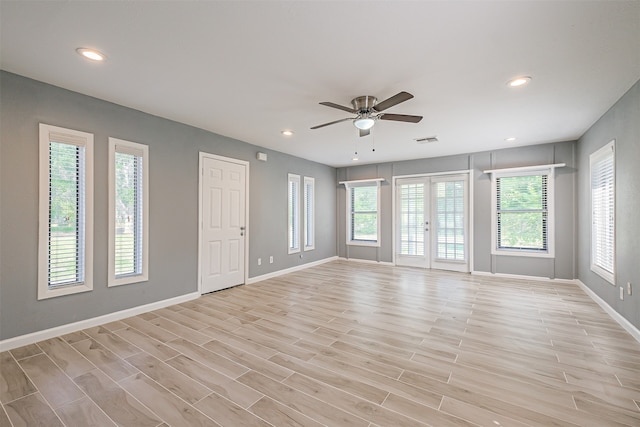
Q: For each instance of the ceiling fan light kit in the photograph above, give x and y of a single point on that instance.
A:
(364, 123)
(368, 110)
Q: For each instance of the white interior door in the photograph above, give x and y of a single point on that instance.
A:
(432, 222)
(222, 219)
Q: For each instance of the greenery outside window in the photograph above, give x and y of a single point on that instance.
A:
(128, 212)
(65, 246)
(523, 212)
(363, 212)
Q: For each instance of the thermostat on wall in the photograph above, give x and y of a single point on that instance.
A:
(261, 156)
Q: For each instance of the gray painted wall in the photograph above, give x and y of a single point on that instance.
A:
(562, 266)
(173, 154)
(622, 123)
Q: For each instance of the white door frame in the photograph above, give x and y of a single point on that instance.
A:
(429, 175)
(202, 156)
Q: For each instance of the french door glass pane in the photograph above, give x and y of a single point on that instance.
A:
(449, 204)
(412, 219)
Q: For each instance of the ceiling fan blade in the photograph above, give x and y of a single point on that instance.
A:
(400, 118)
(339, 107)
(364, 132)
(394, 100)
(331, 123)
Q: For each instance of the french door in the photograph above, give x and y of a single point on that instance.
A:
(223, 190)
(432, 222)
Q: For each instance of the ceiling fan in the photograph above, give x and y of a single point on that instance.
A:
(368, 110)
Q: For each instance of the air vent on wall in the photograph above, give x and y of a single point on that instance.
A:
(426, 140)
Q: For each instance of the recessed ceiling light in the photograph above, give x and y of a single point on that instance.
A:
(519, 81)
(287, 132)
(91, 54)
(510, 139)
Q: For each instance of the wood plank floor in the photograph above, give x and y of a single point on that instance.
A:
(341, 344)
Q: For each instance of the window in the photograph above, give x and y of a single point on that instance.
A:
(412, 221)
(523, 212)
(128, 212)
(65, 246)
(602, 171)
(293, 209)
(449, 196)
(363, 212)
(309, 218)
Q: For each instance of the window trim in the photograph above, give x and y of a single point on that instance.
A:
(293, 210)
(595, 157)
(122, 146)
(548, 170)
(309, 207)
(350, 185)
(81, 139)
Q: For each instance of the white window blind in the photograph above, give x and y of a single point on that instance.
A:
(309, 214)
(450, 216)
(128, 214)
(363, 211)
(602, 171)
(412, 219)
(128, 223)
(65, 263)
(66, 214)
(522, 212)
(293, 209)
(364, 214)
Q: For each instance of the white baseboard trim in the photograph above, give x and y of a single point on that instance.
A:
(521, 276)
(366, 261)
(271, 275)
(628, 326)
(34, 337)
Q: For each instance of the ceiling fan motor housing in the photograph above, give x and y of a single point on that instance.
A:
(364, 104)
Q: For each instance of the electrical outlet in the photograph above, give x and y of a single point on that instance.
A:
(621, 292)
(259, 261)
(628, 288)
(271, 259)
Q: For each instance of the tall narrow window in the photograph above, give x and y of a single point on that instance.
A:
(293, 209)
(309, 216)
(602, 168)
(128, 212)
(363, 212)
(65, 253)
(523, 212)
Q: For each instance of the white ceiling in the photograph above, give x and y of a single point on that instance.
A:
(248, 70)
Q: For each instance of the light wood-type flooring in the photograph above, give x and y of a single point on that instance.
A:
(341, 344)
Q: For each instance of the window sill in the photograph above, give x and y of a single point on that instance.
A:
(363, 243)
(127, 280)
(609, 277)
(523, 253)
